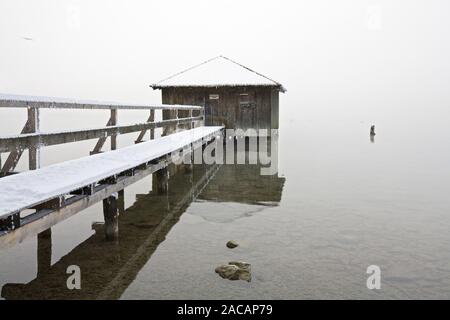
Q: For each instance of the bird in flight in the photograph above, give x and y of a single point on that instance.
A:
(27, 38)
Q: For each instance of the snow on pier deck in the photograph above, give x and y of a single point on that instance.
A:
(31, 188)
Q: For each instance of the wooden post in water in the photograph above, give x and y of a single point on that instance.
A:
(44, 251)
(111, 215)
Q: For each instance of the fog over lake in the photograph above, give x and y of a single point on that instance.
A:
(347, 202)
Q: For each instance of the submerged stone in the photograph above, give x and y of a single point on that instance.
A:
(239, 264)
(232, 244)
(228, 272)
(235, 270)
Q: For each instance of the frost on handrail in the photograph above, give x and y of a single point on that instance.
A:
(24, 101)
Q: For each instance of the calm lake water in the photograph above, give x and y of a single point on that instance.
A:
(339, 203)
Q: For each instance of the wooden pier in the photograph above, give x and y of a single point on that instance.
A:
(33, 201)
(111, 268)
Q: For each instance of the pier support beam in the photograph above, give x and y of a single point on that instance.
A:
(34, 157)
(191, 124)
(111, 122)
(44, 251)
(111, 215)
(151, 118)
(11, 222)
(31, 126)
(34, 152)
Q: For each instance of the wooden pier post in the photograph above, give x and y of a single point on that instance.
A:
(191, 123)
(113, 123)
(44, 251)
(111, 215)
(152, 119)
(31, 126)
(34, 152)
(34, 158)
(101, 141)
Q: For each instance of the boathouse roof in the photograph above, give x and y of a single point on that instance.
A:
(219, 71)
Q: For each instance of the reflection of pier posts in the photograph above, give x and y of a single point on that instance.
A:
(121, 201)
(111, 215)
(44, 251)
(189, 160)
(144, 226)
(188, 168)
(162, 181)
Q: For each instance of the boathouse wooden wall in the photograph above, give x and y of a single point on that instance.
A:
(229, 109)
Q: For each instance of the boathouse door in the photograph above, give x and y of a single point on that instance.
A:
(211, 107)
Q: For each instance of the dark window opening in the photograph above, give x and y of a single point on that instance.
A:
(246, 100)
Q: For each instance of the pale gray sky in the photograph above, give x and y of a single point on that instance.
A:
(347, 64)
(342, 52)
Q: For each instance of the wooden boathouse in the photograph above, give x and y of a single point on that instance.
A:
(233, 95)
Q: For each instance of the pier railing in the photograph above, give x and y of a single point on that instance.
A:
(33, 139)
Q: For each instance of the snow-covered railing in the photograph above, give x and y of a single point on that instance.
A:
(22, 101)
(32, 138)
(68, 187)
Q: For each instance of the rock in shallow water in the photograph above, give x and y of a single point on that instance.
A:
(241, 265)
(232, 244)
(235, 270)
(228, 272)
